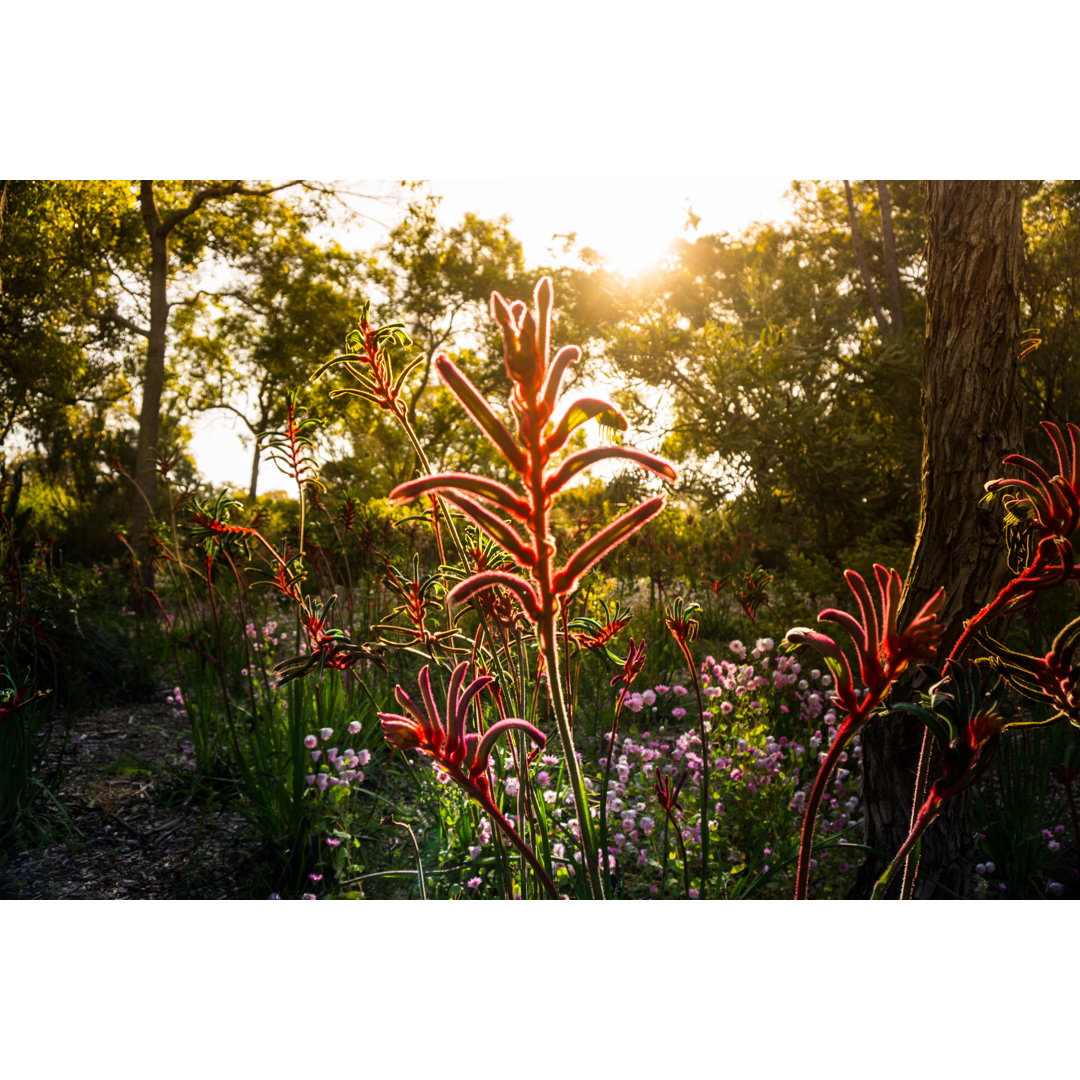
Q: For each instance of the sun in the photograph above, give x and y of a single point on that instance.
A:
(629, 224)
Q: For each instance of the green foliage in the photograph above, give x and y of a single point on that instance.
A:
(59, 371)
(779, 398)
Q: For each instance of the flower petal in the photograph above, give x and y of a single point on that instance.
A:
(582, 459)
(604, 541)
(476, 405)
(480, 486)
(483, 751)
(578, 413)
(489, 578)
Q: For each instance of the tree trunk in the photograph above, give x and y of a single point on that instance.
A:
(892, 268)
(971, 420)
(864, 268)
(253, 488)
(3, 207)
(153, 383)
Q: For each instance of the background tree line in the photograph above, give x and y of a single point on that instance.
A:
(781, 367)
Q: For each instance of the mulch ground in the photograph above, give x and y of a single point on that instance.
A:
(133, 830)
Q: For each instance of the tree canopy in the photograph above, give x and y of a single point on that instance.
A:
(780, 367)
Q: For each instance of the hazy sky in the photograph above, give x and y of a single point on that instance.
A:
(631, 222)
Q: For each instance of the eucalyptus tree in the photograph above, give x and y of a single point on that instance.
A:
(285, 310)
(760, 356)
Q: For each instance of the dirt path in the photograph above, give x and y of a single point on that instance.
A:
(136, 832)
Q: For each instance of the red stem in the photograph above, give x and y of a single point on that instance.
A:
(926, 817)
(511, 835)
(846, 730)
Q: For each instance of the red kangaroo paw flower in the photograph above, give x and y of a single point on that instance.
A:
(881, 660)
(465, 757)
(632, 665)
(537, 382)
(1054, 505)
(668, 796)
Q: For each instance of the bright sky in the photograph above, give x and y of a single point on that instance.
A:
(631, 223)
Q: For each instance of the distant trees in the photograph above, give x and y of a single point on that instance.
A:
(284, 311)
(61, 370)
(792, 408)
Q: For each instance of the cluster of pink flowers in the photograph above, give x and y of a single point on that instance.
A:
(635, 702)
(755, 684)
(1053, 844)
(338, 768)
(176, 700)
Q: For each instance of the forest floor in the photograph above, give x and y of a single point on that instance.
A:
(130, 826)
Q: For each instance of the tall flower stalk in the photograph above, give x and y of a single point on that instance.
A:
(684, 629)
(967, 719)
(531, 453)
(632, 665)
(464, 755)
(884, 653)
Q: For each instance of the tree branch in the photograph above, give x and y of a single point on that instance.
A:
(114, 317)
(217, 191)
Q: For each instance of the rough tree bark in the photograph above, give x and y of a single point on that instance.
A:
(3, 207)
(971, 420)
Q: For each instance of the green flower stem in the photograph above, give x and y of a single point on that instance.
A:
(664, 859)
(577, 783)
(682, 852)
(704, 772)
(604, 790)
(549, 646)
(685, 863)
(527, 852)
(926, 816)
